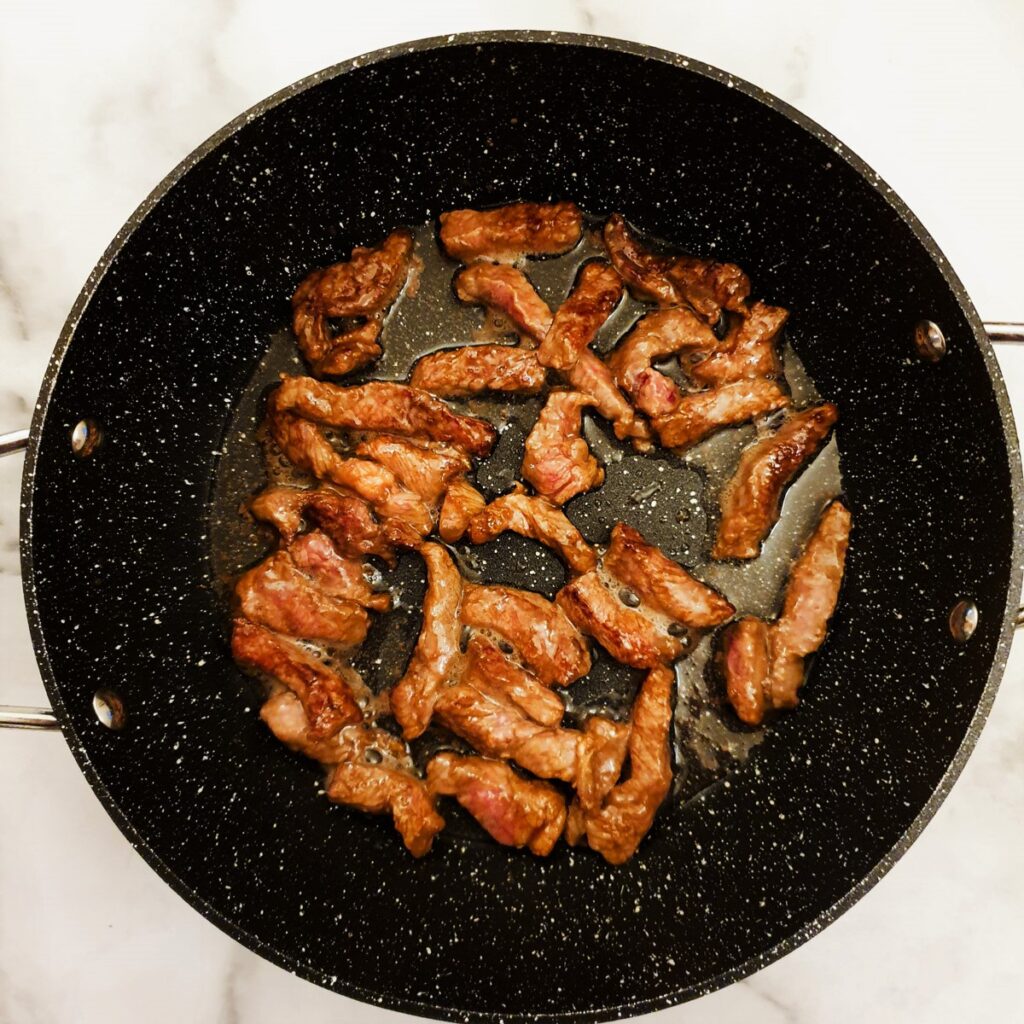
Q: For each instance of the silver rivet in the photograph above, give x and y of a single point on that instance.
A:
(86, 438)
(963, 621)
(109, 709)
(929, 341)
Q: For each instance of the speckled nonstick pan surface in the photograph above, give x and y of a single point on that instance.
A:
(119, 575)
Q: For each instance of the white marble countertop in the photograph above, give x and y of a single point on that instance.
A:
(98, 101)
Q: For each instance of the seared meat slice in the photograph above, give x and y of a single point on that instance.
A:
(600, 763)
(461, 503)
(750, 349)
(661, 583)
(515, 811)
(333, 573)
(276, 594)
(627, 635)
(557, 461)
(424, 471)
(642, 270)
(304, 445)
(544, 638)
(537, 518)
(763, 664)
(750, 500)
(284, 715)
(701, 414)
(382, 406)
(507, 291)
(326, 697)
(709, 286)
(598, 290)
(591, 377)
(436, 658)
(515, 683)
(373, 771)
(377, 776)
(474, 369)
(660, 334)
(363, 287)
(745, 663)
(705, 285)
(508, 232)
(811, 596)
(627, 813)
(496, 727)
(346, 519)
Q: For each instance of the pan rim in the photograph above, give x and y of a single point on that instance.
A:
(429, 1009)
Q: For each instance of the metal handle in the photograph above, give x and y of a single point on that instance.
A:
(1005, 331)
(12, 717)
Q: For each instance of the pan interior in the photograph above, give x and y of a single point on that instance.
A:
(121, 580)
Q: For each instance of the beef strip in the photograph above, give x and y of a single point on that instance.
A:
(699, 415)
(377, 777)
(538, 630)
(811, 596)
(426, 471)
(750, 500)
(509, 232)
(278, 595)
(326, 697)
(661, 583)
(706, 285)
(591, 377)
(745, 663)
(303, 443)
(372, 771)
(513, 810)
(749, 350)
(625, 633)
(600, 765)
(557, 460)
(763, 664)
(363, 287)
(333, 573)
(480, 710)
(475, 369)
(382, 406)
(507, 291)
(436, 657)
(657, 335)
(346, 519)
(461, 503)
(534, 517)
(515, 683)
(616, 828)
(597, 292)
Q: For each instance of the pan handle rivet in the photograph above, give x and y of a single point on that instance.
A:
(109, 709)
(963, 621)
(86, 438)
(929, 341)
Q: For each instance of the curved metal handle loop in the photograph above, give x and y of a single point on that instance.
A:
(14, 717)
(1005, 331)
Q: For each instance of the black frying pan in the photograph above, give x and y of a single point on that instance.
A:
(159, 350)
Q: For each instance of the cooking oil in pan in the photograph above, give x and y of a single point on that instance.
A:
(671, 500)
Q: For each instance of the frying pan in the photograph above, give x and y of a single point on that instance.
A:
(159, 350)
